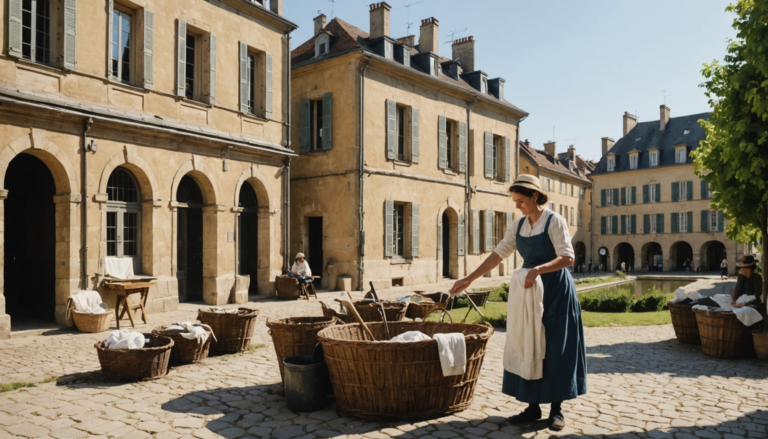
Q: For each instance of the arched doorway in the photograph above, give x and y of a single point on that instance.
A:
(654, 258)
(30, 239)
(625, 253)
(248, 237)
(446, 228)
(681, 254)
(581, 256)
(124, 217)
(603, 259)
(712, 254)
(189, 240)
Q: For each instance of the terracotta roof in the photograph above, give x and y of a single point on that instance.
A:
(544, 160)
(349, 38)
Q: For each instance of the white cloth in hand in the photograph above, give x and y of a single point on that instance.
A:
(453, 353)
(680, 295)
(89, 302)
(125, 339)
(411, 336)
(526, 343)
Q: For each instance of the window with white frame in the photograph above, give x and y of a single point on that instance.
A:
(580, 223)
(683, 222)
(124, 217)
(611, 163)
(713, 225)
(572, 218)
(581, 193)
(36, 30)
(609, 197)
(653, 158)
(609, 225)
(633, 160)
(398, 227)
(563, 187)
(322, 44)
(628, 223)
(121, 46)
(682, 191)
(652, 193)
(682, 155)
(652, 223)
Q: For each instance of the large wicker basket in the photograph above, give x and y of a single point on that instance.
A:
(369, 311)
(233, 331)
(296, 336)
(148, 363)
(186, 350)
(723, 335)
(287, 287)
(684, 322)
(92, 322)
(400, 381)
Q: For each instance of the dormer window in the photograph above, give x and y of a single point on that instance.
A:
(323, 49)
(435, 67)
(611, 163)
(681, 154)
(484, 85)
(654, 157)
(633, 159)
(322, 45)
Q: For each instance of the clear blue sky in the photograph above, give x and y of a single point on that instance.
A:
(576, 65)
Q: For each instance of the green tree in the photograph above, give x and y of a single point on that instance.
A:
(733, 159)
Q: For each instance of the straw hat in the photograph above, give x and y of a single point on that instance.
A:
(747, 261)
(299, 255)
(528, 181)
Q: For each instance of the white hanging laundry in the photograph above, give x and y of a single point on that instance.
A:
(453, 353)
(119, 268)
(526, 343)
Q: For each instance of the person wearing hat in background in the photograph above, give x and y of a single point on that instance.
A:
(541, 236)
(749, 283)
(300, 269)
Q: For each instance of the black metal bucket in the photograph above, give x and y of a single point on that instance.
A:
(306, 384)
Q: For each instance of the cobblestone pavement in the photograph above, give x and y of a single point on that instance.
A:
(642, 383)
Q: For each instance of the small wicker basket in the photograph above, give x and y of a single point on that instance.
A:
(186, 350)
(233, 331)
(147, 363)
(369, 311)
(296, 336)
(92, 322)
(422, 309)
(287, 287)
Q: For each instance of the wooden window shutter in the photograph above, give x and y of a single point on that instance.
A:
(212, 69)
(675, 191)
(720, 221)
(704, 221)
(181, 58)
(658, 193)
(70, 34)
(634, 224)
(659, 223)
(488, 154)
(602, 225)
(147, 48)
(462, 147)
(327, 121)
(646, 224)
(244, 91)
(616, 197)
(623, 224)
(689, 190)
(623, 196)
(460, 237)
(475, 231)
(110, 24)
(268, 86)
(391, 129)
(675, 218)
(488, 229)
(507, 150)
(306, 124)
(634, 195)
(645, 193)
(602, 197)
(415, 135)
(389, 207)
(14, 28)
(442, 142)
(689, 223)
(704, 190)
(414, 230)
(615, 224)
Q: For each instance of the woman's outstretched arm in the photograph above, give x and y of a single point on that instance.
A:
(491, 262)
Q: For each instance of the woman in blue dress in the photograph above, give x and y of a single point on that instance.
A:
(542, 238)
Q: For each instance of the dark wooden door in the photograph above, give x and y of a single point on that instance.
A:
(30, 239)
(315, 254)
(248, 241)
(446, 246)
(190, 254)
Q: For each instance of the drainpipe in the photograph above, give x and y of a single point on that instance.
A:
(360, 208)
(84, 194)
(468, 192)
(287, 172)
(517, 173)
(287, 214)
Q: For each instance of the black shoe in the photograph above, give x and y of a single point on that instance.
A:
(528, 415)
(556, 421)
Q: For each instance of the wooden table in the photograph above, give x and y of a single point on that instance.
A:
(125, 289)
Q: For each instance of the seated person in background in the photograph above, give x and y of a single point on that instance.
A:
(748, 283)
(300, 269)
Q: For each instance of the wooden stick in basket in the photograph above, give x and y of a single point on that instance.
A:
(351, 310)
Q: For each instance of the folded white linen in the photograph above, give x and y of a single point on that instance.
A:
(746, 315)
(221, 310)
(192, 330)
(701, 307)
(125, 339)
(681, 295)
(89, 302)
(120, 268)
(453, 353)
(525, 343)
(745, 299)
(411, 336)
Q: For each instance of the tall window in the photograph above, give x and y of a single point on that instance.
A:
(580, 223)
(713, 225)
(496, 156)
(682, 191)
(450, 131)
(400, 133)
(189, 71)
(609, 225)
(628, 224)
(251, 83)
(398, 232)
(652, 193)
(633, 161)
(581, 193)
(563, 187)
(611, 164)
(572, 220)
(124, 217)
(653, 223)
(36, 30)
(683, 222)
(316, 128)
(121, 46)
(609, 197)
(654, 158)
(681, 155)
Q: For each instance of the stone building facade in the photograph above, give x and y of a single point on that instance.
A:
(652, 211)
(565, 178)
(144, 129)
(405, 156)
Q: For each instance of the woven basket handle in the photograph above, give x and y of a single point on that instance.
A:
(353, 311)
(437, 308)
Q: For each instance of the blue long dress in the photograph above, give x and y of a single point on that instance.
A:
(565, 360)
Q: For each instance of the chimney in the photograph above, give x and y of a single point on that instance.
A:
(608, 142)
(428, 41)
(527, 143)
(630, 120)
(664, 116)
(379, 20)
(276, 6)
(551, 149)
(572, 154)
(410, 40)
(319, 23)
(464, 52)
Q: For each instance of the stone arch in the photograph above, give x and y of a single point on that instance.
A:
(66, 200)
(711, 254)
(679, 253)
(453, 212)
(580, 251)
(623, 252)
(140, 168)
(647, 260)
(202, 176)
(257, 180)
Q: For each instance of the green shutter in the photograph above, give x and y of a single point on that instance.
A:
(689, 190)
(269, 86)
(488, 231)
(14, 28)
(391, 129)
(675, 191)
(488, 154)
(70, 34)
(212, 69)
(110, 25)
(645, 193)
(460, 247)
(720, 221)
(181, 58)
(475, 231)
(623, 196)
(658, 193)
(602, 197)
(462, 147)
(704, 221)
(659, 223)
(389, 207)
(415, 230)
(634, 224)
(646, 224)
(634, 195)
(327, 121)
(616, 197)
(148, 51)
(244, 89)
(507, 160)
(615, 224)
(415, 135)
(306, 125)
(442, 142)
(602, 225)
(689, 224)
(623, 224)
(674, 218)
(704, 190)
